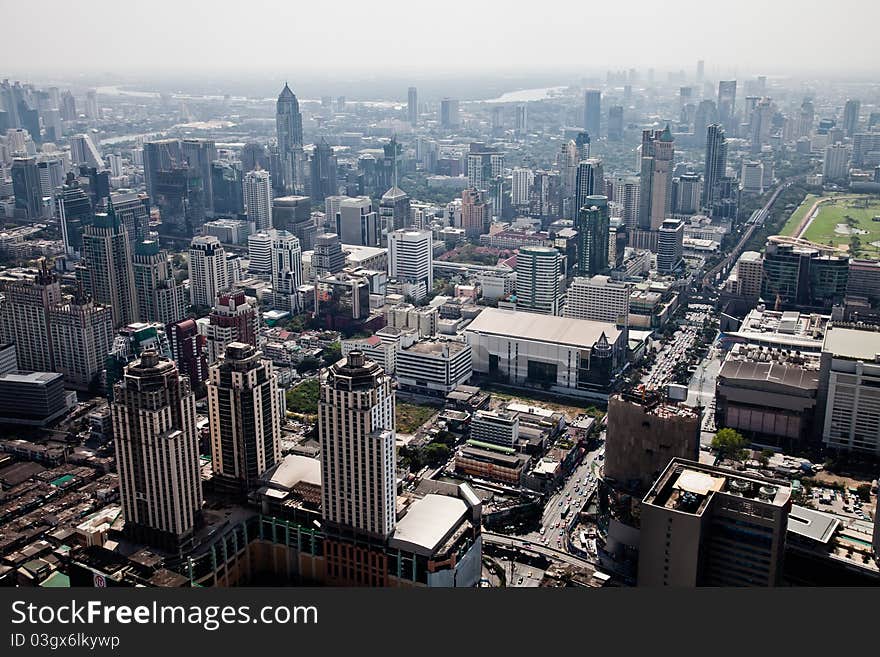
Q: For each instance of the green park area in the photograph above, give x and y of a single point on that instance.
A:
(848, 221)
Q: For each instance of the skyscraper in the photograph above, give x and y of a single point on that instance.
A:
(589, 182)
(521, 120)
(227, 188)
(358, 456)
(449, 113)
(851, 117)
(411, 258)
(160, 298)
(233, 319)
(294, 213)
(615, 122)
(412, 106)
(245, 418)
(288, 126)
(106, 272)
(357, 222)
(258, 199)
(670, 239)
(592, 112)
(655, 193)
(715, 166)
(538, 286)
(835, 166)
(287, 273)
(157, 453)
(24, 319)
(207, 270)
(198, 154)
(188, 350)
(727, 104)
(26, 188)
(474, 213)
(260, 253)
(322, 168)
(592, 225)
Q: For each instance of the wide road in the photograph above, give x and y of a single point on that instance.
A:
(724, 265)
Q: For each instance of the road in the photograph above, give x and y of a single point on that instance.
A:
(724, 265)
(490, 538)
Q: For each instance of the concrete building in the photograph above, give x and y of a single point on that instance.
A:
(245, 418)
(752, 177)
(258, 199)
(358, 456)
(670, 245)
(475, 213)
(260, 254)
(768, 395)
(208, 276)
(707, 526)
(864, 280)
(598, 299)
(411, 258)
(495, 428)
(499, 464)
(81, 333)
(24, 319)
(592, 224)
(287, 271)
(357, 222)
(106, 271)
(433, 367)
(655, 193)
(33, 398)
(160, 298)
(850, 390)
(835, 165)
(233, 319)
(565, 356)
(157, 453)
(644, 434)
(538, 282)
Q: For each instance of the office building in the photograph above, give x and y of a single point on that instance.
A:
(589, 181)
(715, 166)
(357, 222)
(567, 356)
(495, 428)
(198, 154)
(106, 271)
(75, 212)
(449, 117)
(835, 166)
(84, 151)
(289, 133)
(160, 297)
(849, 393)
(615, 123)
(521, 186)
(655, 185)
(328, 257)
(260, 254)
(752, 177)
(287, 274)
(598, 299)
(245, 418)
(626, 200)
(233, 319)
(33, 399)
(670, 245)
(227, 189)
(707, 526)
(592, 226)
(208, 276)
(26, 188)
(863, 280)
(432, 367)
(538, 283)
(294, 214)
(358, 456)
(188, 347)
(520, 120)
(25, 321)
(322, 168)
(851, 117)
(475, 213)
(258, 199)
(801, 276)
(81, 334)
(592, 112)
(133, 210)
(394, 211)
(157, 453)
(645, 432)
(727, 104)
(411, 259)
(412, 106)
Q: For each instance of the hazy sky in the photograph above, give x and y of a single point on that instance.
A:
(438, 36)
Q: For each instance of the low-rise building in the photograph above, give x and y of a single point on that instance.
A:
(486, 461)
(433, 367)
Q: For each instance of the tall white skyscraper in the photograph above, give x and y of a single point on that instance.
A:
(835, 167)
(159, 296)
(521, 186)
(157, 452)
(207, 270)
(245, 418)
(358, 457)
(538, 287)
(411, 258)
(260, 253)
(287, 273)
(258, 199)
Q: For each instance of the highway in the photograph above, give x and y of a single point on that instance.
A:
(490, 538)
(724, 265)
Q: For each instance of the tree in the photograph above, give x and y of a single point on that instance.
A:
(332, 353)
(730, 443)
(308, 364)
(437, 453)
(304, 397)
(864, 492)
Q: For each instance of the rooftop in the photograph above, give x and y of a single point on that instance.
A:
(578, 333)
(428, 522)
(854, 344)
(812, 524)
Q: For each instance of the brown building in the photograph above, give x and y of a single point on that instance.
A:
(644, 434)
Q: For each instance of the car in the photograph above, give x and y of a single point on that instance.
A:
(541, 531)
(561, 531)
(560, 502)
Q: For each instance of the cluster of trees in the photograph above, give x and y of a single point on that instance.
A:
(304, 397)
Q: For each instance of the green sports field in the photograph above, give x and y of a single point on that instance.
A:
(845, 220)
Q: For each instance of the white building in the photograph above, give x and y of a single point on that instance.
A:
(851, 366)
(598, 299)
(752, 178)
(521, 186)
(496, 428)
(260, 253)
(208, 276)
(258, 199)
(538, 284)
(411, 258)
(357, 222)
(433, 367)
(835, 167)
